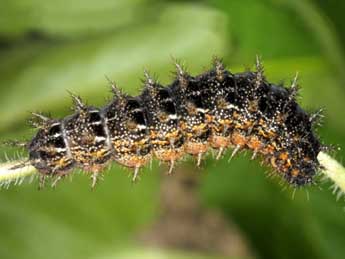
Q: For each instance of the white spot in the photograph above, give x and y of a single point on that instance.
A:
(141, 127)
(201, 110)
(112, 118)
(99, 138)
(231, 106)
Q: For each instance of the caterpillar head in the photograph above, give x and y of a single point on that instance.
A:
(47, 150)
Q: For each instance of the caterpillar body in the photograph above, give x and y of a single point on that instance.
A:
(216, 109)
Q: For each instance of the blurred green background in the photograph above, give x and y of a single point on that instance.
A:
(48, 47)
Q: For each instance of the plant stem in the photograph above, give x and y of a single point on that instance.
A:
(8, 174)
(333, 170)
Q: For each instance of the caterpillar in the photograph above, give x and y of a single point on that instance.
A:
(216, 110)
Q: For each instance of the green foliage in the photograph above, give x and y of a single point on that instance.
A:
(48, 47)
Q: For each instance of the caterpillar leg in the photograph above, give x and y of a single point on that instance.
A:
(136, 174)
(94, 178)
(42, 180)
(234, 152)
(171, 166)
(199, 159)
(56, 181)
(220, 152)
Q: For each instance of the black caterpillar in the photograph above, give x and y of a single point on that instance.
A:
(216, 109)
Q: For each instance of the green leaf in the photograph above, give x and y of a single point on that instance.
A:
(182, 32)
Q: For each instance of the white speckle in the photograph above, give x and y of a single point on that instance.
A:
(202, 110)
(141, 127)
(232, 106)
(99, 138)
(59, 149)
(173, 116)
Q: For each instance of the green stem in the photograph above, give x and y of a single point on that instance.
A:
(333, 170)
(8, 174)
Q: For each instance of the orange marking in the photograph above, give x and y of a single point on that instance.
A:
(254, 143)
(195, 148)
(174, 134)
(200, 128)
(238, 139)
(247, 124)
(269, 149)
(219, 141)
(153, 134)
(306, 159)
(94, 168)
(170, 154)
(62, 162)
(209, 118)
(133, 160)
(272, 134)
(160, 142)
(235, 115)
(295, 172)
(284, 156)
(225, 123)
(262, 123)
(263, 133)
